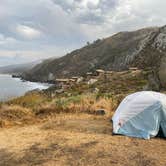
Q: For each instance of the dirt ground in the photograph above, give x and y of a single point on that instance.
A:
(77, 140)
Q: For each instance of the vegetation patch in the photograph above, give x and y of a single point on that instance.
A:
(15, 115)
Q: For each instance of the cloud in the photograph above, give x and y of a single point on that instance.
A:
(88, 11)
(45, 28)
(28, 32)
(6, 40)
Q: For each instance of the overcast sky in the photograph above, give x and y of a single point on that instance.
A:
(37, 29)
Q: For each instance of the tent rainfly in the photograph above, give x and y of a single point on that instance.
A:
(142, 115)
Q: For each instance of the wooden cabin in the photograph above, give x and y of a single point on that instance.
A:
(100, 73)
(63, 83)
(133, 68)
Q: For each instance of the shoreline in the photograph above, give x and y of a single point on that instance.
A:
(13, 87)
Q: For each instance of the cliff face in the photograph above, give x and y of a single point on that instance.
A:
(142, 48)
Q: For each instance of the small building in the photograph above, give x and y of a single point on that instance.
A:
(100, 73)
(77, 79)
(72, 81)
(92, 81)
(89, 75)
(108, 75)
(133, 68)
(109, 72)
(68, 82)
(63, 83)
(65, 80)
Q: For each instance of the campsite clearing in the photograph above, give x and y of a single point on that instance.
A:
(77, 139)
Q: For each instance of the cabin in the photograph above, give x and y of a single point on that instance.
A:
(100, 74)
(108, 74)
(133, 68)
(68, 82)
(92, 81)
(63, 83)
(77, 79)
(80, 79)
(89, 75)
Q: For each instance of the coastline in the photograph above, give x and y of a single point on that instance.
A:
(13, 87)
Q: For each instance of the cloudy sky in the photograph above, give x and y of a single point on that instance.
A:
(37, 29)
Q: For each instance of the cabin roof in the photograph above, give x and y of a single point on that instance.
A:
(62, 80)
(100, 71)
(89, 73)
(133, 68)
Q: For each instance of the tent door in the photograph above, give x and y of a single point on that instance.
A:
(160, 133)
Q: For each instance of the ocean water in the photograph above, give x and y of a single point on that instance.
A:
(14, 87)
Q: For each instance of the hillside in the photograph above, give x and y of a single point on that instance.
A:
(66, 128)
(142, 48)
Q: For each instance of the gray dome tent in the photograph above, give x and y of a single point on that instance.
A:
(141, 115)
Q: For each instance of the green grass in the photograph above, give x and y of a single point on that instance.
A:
(30, 100)
(62, 103)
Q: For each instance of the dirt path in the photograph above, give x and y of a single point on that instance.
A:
(77, 140)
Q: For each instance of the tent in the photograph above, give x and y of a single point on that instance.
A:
(141, 115)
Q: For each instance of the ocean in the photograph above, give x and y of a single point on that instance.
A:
(15, 87)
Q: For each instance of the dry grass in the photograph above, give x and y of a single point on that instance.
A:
(78, 104)
(81, 98)
(15, 115)
(77, 140)
(34, 108)
(70, 132)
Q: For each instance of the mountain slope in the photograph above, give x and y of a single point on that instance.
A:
(141, 48)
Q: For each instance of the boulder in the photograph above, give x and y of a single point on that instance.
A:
(100, 112)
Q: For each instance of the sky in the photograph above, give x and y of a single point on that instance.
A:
(32, 30)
